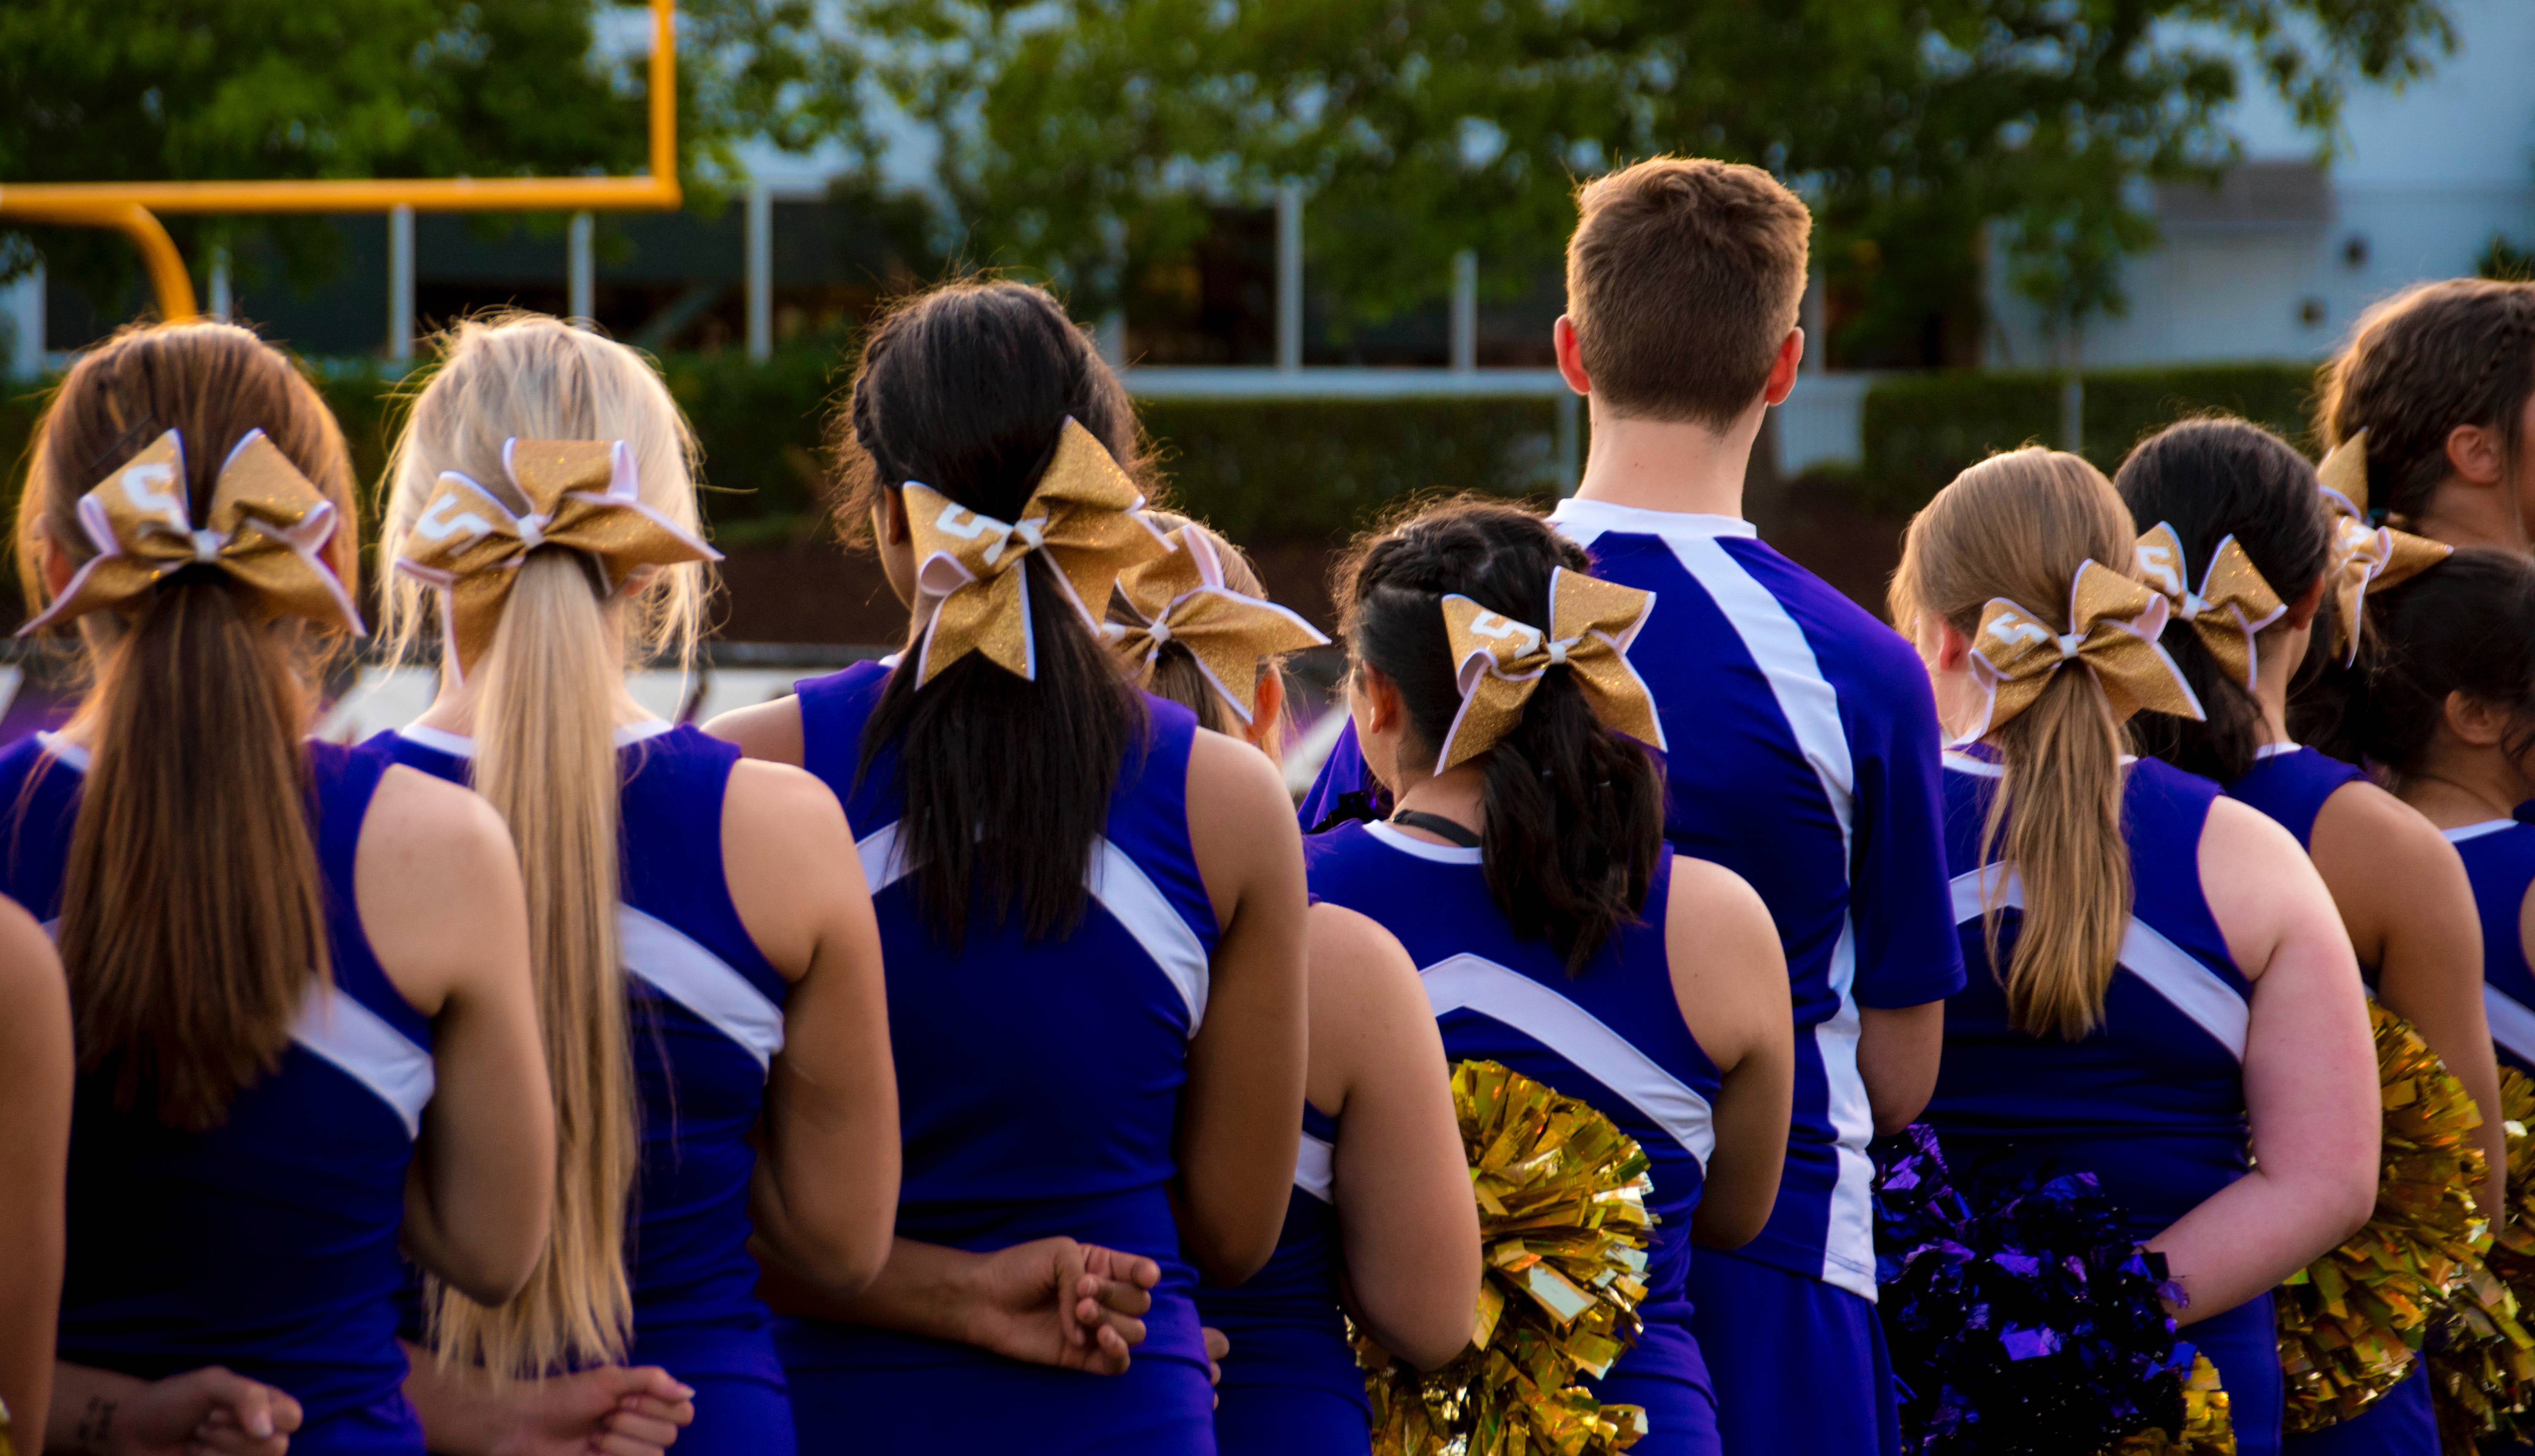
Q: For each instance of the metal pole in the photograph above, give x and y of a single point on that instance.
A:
(1112, 336)
(760, 270)
(1571, 442)
(1289, 276)
(25, 302)
(222, 304)
(401, 282)
(1465, 311)
(580, 269)
(1812, 316)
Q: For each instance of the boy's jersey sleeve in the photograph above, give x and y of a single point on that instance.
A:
(1345, 788)
(1901, 905)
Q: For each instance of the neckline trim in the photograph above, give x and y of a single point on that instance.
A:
(2277, 750)
(1605, 515)
(64, 750)
(460, 746)
(2464, 832)
(1441, 853)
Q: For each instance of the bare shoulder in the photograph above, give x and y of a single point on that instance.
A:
(2242, 841)
(2260, 887)
(415, 816)
(35, 999)
(1729, 969)
(1229, 776)
(770, 796)
(771, 731)
(1356, 963)
(2359, 816)
(1710, 900)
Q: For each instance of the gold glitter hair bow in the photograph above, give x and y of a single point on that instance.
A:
(2372, 557)
(268, 531)
(971, 588)
(2231, 606)
(2113, 623)
(581, 495)
(1498, 662)
(1182, 598)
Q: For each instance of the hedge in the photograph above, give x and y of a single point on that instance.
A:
(1259, 470)
(1921, 429)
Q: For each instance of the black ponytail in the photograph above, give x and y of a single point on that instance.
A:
(1007, 781)
(1575, 812)
(2210, 479)
(2466, 624)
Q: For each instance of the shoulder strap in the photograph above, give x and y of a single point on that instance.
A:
(1435, 823)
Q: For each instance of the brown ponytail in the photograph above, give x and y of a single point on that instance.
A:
(193, 911)
(2020, 526)
(2461, 351)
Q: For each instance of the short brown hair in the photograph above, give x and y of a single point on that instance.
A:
(1682, 278)
(2461, 351)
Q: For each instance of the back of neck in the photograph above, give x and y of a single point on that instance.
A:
(1678, 465)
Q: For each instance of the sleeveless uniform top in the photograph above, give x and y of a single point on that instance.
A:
(1038, 1088)
(267, 1244)
(1611, 1037)
(2289, 783)
(2500, 859)
(705, 1020)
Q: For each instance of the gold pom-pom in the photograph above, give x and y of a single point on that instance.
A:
(2483, 1368)
(2208, 1428)
(1563, 1224)
(2352, 1322)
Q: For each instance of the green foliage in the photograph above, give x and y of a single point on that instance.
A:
(1085, 133)
(2505, 261)
(1922, 428)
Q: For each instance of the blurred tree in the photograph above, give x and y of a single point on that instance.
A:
(1080, 133)
(281, 89)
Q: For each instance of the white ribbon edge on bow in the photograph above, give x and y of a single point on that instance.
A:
(2147, 625)
(1479, 662)
(2196, 602)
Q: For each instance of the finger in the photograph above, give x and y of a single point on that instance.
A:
(654, 1408)
(613, 1444)
(1129, 1268)
(1113, 1348)
(1070, 1274)
(1218, 1344)
(657, 1383)
(1124, 1326)
(252, 1403)
(642, 1429)
(1116, 1294)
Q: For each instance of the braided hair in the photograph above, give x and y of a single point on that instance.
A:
(2466, 624)
(2430, 358)
(1575, 812)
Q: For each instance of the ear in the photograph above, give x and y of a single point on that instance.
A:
(889, 519)
(56, 563)
(2476, 723)
(2311, 601)
(1782, 369)
(1267, 714)
(1571, 355)
(2474, 454)
(1953, 648)
(1380, 709)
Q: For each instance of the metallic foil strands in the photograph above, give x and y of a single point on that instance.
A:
(1563, 1226)
(2208, 1426)
(2352, 1322)
(2482, 1361)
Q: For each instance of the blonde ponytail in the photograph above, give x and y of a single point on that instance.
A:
(2020, 526)
(546, 757)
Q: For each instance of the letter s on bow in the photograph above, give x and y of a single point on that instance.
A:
(968, 525)
(1500, 629)
(436, 524)
(163, 502)
(2013, 632)
(2157, 564)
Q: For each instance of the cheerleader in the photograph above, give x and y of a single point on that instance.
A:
(35, 1139)
(2157, 968)
(2235, 532)
(1381, 1207)
(299, 972)
(1525, 871)
(704, 945)
(1092, 910)
(2440, 377)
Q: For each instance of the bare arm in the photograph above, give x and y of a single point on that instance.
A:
(825, 1187)
(1406, 1219)
(1729, 977)
(438, 883)
(106, 1413)
(1897, 1050)
(2309, 1073)
(34, 1152)
(1241, 1114)
(2409, 909)
(769, 731)
(1050, 1302)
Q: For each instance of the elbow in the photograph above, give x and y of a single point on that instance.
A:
(841, 1263)
(1726, 1230)
(2354, 1199)
(1892, 1117)
(1228, 1256)
(1433, 1343)
(494, 1279)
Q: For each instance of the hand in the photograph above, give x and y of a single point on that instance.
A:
(1054, 1302)
(1217, 1345)
(612, 1410)
(210, 1410)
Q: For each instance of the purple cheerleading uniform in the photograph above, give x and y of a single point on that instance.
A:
(1010, 1131)
(1611, 1036)
(2151, 1101)
(2289, 783)
(267, 1243)
(1804, 757)
(707, 1017)
(2500, 859)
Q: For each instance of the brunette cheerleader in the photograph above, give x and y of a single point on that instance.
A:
(1092, 910)
(305, 1028)
(1379, 1224)
(2157, 969)
(704, 946)
(1525, 871)
(2236, 534)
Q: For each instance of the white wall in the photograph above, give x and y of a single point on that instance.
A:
(2421, 180)
(22, 326)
